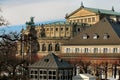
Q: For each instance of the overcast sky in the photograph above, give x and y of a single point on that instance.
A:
(19, 11)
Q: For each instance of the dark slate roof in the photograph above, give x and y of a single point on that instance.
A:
(104, 26)
(97, 11)
(51, 61)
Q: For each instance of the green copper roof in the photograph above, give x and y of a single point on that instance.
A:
(59, 23)
(96, 10)
(103, 11)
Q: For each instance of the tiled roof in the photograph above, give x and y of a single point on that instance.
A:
(51, 61)
(104, 26)
(97, 11)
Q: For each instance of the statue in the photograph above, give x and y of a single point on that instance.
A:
(32, 19)
(31, 22)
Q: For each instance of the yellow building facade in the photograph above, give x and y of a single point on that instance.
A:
(54, 34)
(88, 34)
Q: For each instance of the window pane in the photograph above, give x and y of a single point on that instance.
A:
(95, 50)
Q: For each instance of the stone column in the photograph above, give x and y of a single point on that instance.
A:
(46, 44)
(53, 46)
(40, 47)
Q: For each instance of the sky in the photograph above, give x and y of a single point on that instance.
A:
(19, 11)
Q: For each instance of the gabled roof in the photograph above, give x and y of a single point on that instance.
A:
(51, 61)
(104, 26)
(97, 11)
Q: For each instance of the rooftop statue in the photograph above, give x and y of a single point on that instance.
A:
(31, 22)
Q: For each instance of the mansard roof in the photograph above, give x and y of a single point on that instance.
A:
(97, 11)
(104, 27)
(51, 61)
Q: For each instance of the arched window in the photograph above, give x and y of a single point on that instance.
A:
(43, 47)
(50, 47)
(57, 47)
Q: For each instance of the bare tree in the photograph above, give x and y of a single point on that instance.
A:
(3, 21)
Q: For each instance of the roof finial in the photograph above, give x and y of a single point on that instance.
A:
(113, 8)
(82, 4)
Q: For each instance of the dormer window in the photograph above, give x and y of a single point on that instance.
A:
(46, 60)
(95, 36)
(85, 36)
(106, 36)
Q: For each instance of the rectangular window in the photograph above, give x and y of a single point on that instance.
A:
(105, 50)
(36, 72)
(67, 50)
(36, 76)
(89, 19)
(42, 74)
(93, 19)
(45, 77)
(81, 20)
(32, 72)
(77, 50)
(54, 77)
(54, 72)
(31, 76)
(115, 50)
(77, 20)
(86, 50)
(95, 50)
(50, 72)
(85, 20)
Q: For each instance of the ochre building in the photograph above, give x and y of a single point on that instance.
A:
(88, 34)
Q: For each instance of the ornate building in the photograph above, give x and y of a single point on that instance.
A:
(51, 36)
(91, 15)
(89, 35)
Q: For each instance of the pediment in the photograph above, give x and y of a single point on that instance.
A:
(82, 12)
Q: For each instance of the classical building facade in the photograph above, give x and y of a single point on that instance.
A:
(88, 34)
(91, 15)
(50, 37)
